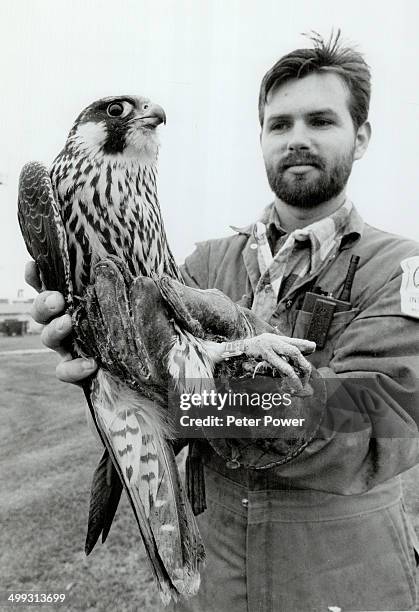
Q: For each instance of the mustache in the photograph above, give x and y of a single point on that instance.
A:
(301, 159)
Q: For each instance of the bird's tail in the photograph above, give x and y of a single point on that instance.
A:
(135, 432)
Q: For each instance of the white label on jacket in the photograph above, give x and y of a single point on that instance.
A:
(409, 290)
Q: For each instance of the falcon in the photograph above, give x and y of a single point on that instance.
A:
(98, 203)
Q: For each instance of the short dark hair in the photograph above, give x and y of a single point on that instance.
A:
(328, 56)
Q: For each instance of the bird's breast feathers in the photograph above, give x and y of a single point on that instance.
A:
(109, 208)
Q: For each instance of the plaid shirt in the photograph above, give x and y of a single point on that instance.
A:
(286, 258)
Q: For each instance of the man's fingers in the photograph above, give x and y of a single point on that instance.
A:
(305, 374)
(296, 359)
(285, 355)
(303, 368)
(75, 370)
(69, 369)
(32, 275)
(305, 346)
(47, 305)
(55, 332)
(293, 382)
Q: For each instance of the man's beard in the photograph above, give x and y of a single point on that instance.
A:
(303, 192)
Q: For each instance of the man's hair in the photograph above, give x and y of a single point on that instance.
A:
(325, 57)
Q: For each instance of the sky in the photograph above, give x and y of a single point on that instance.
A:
(203, 62)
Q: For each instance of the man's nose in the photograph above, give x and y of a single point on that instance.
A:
(298, 139)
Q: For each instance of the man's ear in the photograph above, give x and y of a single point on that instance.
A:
(362, 140)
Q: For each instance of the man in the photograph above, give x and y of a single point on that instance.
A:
(328, 527)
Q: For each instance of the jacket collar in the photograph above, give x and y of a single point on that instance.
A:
(353, 232)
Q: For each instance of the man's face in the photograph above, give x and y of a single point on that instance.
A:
(308, 139)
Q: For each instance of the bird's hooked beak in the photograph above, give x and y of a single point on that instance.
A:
(154, 116)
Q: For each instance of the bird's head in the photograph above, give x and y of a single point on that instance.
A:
(120, 127)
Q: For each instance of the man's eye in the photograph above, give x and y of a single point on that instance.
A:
(321, 122)
(280, 126)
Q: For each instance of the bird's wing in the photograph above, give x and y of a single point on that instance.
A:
(103, 329)
(177, 357)
(104, 499)
(46, 240)
(209, 313)
(43, 230)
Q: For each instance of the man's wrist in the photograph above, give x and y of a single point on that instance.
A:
(233, 348)
(218, 351)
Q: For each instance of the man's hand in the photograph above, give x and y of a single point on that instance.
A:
(281, 352)
(48, 309)
(285, 355)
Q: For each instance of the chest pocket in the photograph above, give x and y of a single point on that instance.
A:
(339, 323)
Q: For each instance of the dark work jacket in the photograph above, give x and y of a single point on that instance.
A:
(370, 364)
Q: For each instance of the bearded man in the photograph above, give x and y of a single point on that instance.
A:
(327, 528)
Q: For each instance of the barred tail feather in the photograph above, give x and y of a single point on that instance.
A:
(135, 431)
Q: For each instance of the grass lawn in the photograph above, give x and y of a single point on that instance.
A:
(15, 343)
(47, 458)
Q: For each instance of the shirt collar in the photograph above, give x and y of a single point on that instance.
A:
(353, 229)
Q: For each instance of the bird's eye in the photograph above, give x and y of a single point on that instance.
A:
(145, 106)
(115, 109)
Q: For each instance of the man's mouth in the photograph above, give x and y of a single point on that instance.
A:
(300, 168)
(301, 162)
